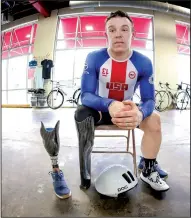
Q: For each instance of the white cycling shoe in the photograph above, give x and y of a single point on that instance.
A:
(155, 182)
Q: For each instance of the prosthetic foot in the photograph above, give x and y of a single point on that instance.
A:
(85, 130)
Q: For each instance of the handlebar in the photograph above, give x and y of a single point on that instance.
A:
(166, 84)
(53, 81)
(185, 84)
(179, 86)
(160, 84)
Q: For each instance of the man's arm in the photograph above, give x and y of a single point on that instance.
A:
(147, 90)
(89, 82)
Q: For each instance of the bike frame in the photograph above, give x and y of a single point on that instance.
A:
(169, 91)
(59, 89)
(187, 88)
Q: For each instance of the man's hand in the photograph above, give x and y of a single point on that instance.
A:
(115, 107)
(129, 117)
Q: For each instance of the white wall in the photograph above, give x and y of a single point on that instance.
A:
(165, 49)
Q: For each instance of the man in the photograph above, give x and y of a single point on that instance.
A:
(108, 83)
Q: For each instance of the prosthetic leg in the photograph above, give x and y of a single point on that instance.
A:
(85, 131)
(51, 142)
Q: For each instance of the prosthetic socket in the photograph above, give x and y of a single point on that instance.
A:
(85, 130)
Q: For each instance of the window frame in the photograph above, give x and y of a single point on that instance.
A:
(9, 57)
(10, 43)
(181, 44)
(101, 37)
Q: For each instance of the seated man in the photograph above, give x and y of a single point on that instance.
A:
(110, 77)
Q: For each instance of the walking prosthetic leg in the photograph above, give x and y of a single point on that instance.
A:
(51, 142)
(85, 131)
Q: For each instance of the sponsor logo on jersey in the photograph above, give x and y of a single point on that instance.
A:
(151, 79)
(117, 86)
(85, 68)
(104, 72)
(132, 74)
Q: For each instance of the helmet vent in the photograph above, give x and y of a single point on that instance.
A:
(126, 177)
(130, 174)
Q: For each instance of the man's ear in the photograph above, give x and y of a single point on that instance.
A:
(106, 38)
(133, 34)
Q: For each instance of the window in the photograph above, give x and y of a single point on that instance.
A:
(80, 58)
(21, 36)
(17, 46)
(89, 31)
(67, 28)
(183, 38)
(5, 55)
(6, 41)
(184, 68)
(18, 41)
(4, 74)
(64, 62)
(19, 51)
(79, 35)
(147, 53)
(17, 97)
(143, 33)
(17, 73)
(4, 97)
(183, 49)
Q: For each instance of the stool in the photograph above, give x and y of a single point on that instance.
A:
(114, 127)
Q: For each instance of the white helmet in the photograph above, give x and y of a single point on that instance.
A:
(114, 180)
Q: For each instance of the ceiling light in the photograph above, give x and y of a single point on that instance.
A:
(89, 28)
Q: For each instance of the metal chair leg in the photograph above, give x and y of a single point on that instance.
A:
(128, 138)
(134, 153)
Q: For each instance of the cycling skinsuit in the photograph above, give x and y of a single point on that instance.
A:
(105, 80)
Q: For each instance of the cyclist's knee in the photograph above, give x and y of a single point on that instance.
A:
(83, 112)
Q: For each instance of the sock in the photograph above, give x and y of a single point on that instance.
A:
(149, 166)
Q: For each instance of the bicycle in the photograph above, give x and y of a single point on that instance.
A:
(136, 97)
(183, 97)
(58, 94)
(165, 97)
(76, 97)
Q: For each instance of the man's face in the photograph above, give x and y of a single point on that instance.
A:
(119, 33)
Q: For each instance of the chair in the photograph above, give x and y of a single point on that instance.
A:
(113, 127)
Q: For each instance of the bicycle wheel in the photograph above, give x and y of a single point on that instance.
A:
(78, 99)
(182, 100)
(156, 91)
(76, 93)
(162, 101)
(55, 99)
(157, 102)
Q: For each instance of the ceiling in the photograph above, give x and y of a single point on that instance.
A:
(183, 3)
(23, 8)
(14, 10)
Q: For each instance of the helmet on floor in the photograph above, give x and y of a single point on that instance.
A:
(114, 180)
